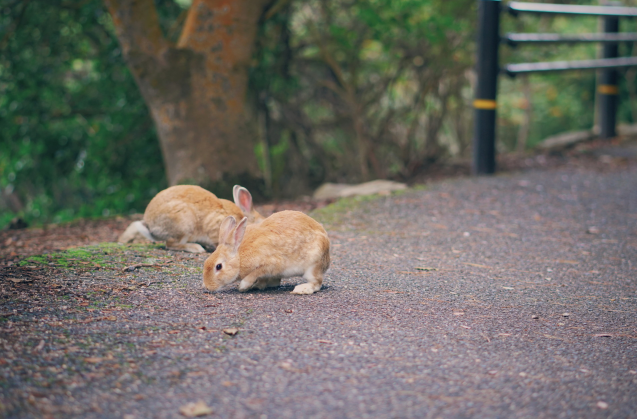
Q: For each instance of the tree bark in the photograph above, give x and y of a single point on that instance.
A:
(195, 90)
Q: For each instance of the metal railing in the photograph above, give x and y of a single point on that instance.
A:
(488, 69)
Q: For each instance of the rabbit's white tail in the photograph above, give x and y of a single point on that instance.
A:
(133, 231)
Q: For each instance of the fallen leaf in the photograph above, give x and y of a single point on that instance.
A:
(192, 410)
(571, 262)
(602, 405)
(93, 360)
(592, 230)
(458, 313)
(603, 335)
(552, 337)
(150, 353)
(228, 384)
(393, 292)
(231, 331)
(325, 341)
(174, 332)
(440, 226)
(508, 288)
(426, 269)
(477, 265)
(493, 372)
(110, 318)
(465, 327)
(17, 280)
(288, 367)
(288, 311)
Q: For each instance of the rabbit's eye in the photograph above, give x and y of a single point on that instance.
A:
(218, 266)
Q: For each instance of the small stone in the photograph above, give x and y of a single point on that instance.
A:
(602, 405)
(535, 317)
(566, 314)
(593, 230)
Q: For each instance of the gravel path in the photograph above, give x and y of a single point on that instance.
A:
(506, 297)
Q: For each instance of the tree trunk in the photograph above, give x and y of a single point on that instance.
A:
(196, 90)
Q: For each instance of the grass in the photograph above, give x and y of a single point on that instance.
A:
(331, 215)
(88, 256)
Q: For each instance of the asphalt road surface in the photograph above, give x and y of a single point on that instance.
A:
(506, 297)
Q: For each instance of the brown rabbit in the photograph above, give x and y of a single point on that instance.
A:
(186, 215)
(286, 244)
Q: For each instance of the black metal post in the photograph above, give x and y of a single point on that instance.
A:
(607, 88)
(486, 90)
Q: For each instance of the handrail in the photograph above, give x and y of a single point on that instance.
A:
(524, 68)
(513, 39)
(516, 7)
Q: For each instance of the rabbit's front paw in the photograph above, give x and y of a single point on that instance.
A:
(303, 289)
(244, 286)
(261, 285)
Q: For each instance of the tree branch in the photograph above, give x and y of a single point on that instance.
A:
(137, 26)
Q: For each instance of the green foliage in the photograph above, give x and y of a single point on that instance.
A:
(343, 91)
(362, 89)
(77, 139)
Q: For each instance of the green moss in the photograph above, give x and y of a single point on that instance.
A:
(331, 213)
(103, 255)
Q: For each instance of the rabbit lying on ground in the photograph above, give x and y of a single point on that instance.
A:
(286, 244)
(186, 215)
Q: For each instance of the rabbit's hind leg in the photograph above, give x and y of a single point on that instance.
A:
(314, 278)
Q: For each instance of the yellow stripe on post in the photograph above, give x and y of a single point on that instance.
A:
(608, 89)
(485, 104)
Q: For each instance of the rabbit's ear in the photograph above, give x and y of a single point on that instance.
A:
(226, 227)
(242, 198)
(239, 232)
(235, 188)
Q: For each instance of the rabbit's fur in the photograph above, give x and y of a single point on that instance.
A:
(286, 244)
(188, 216)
